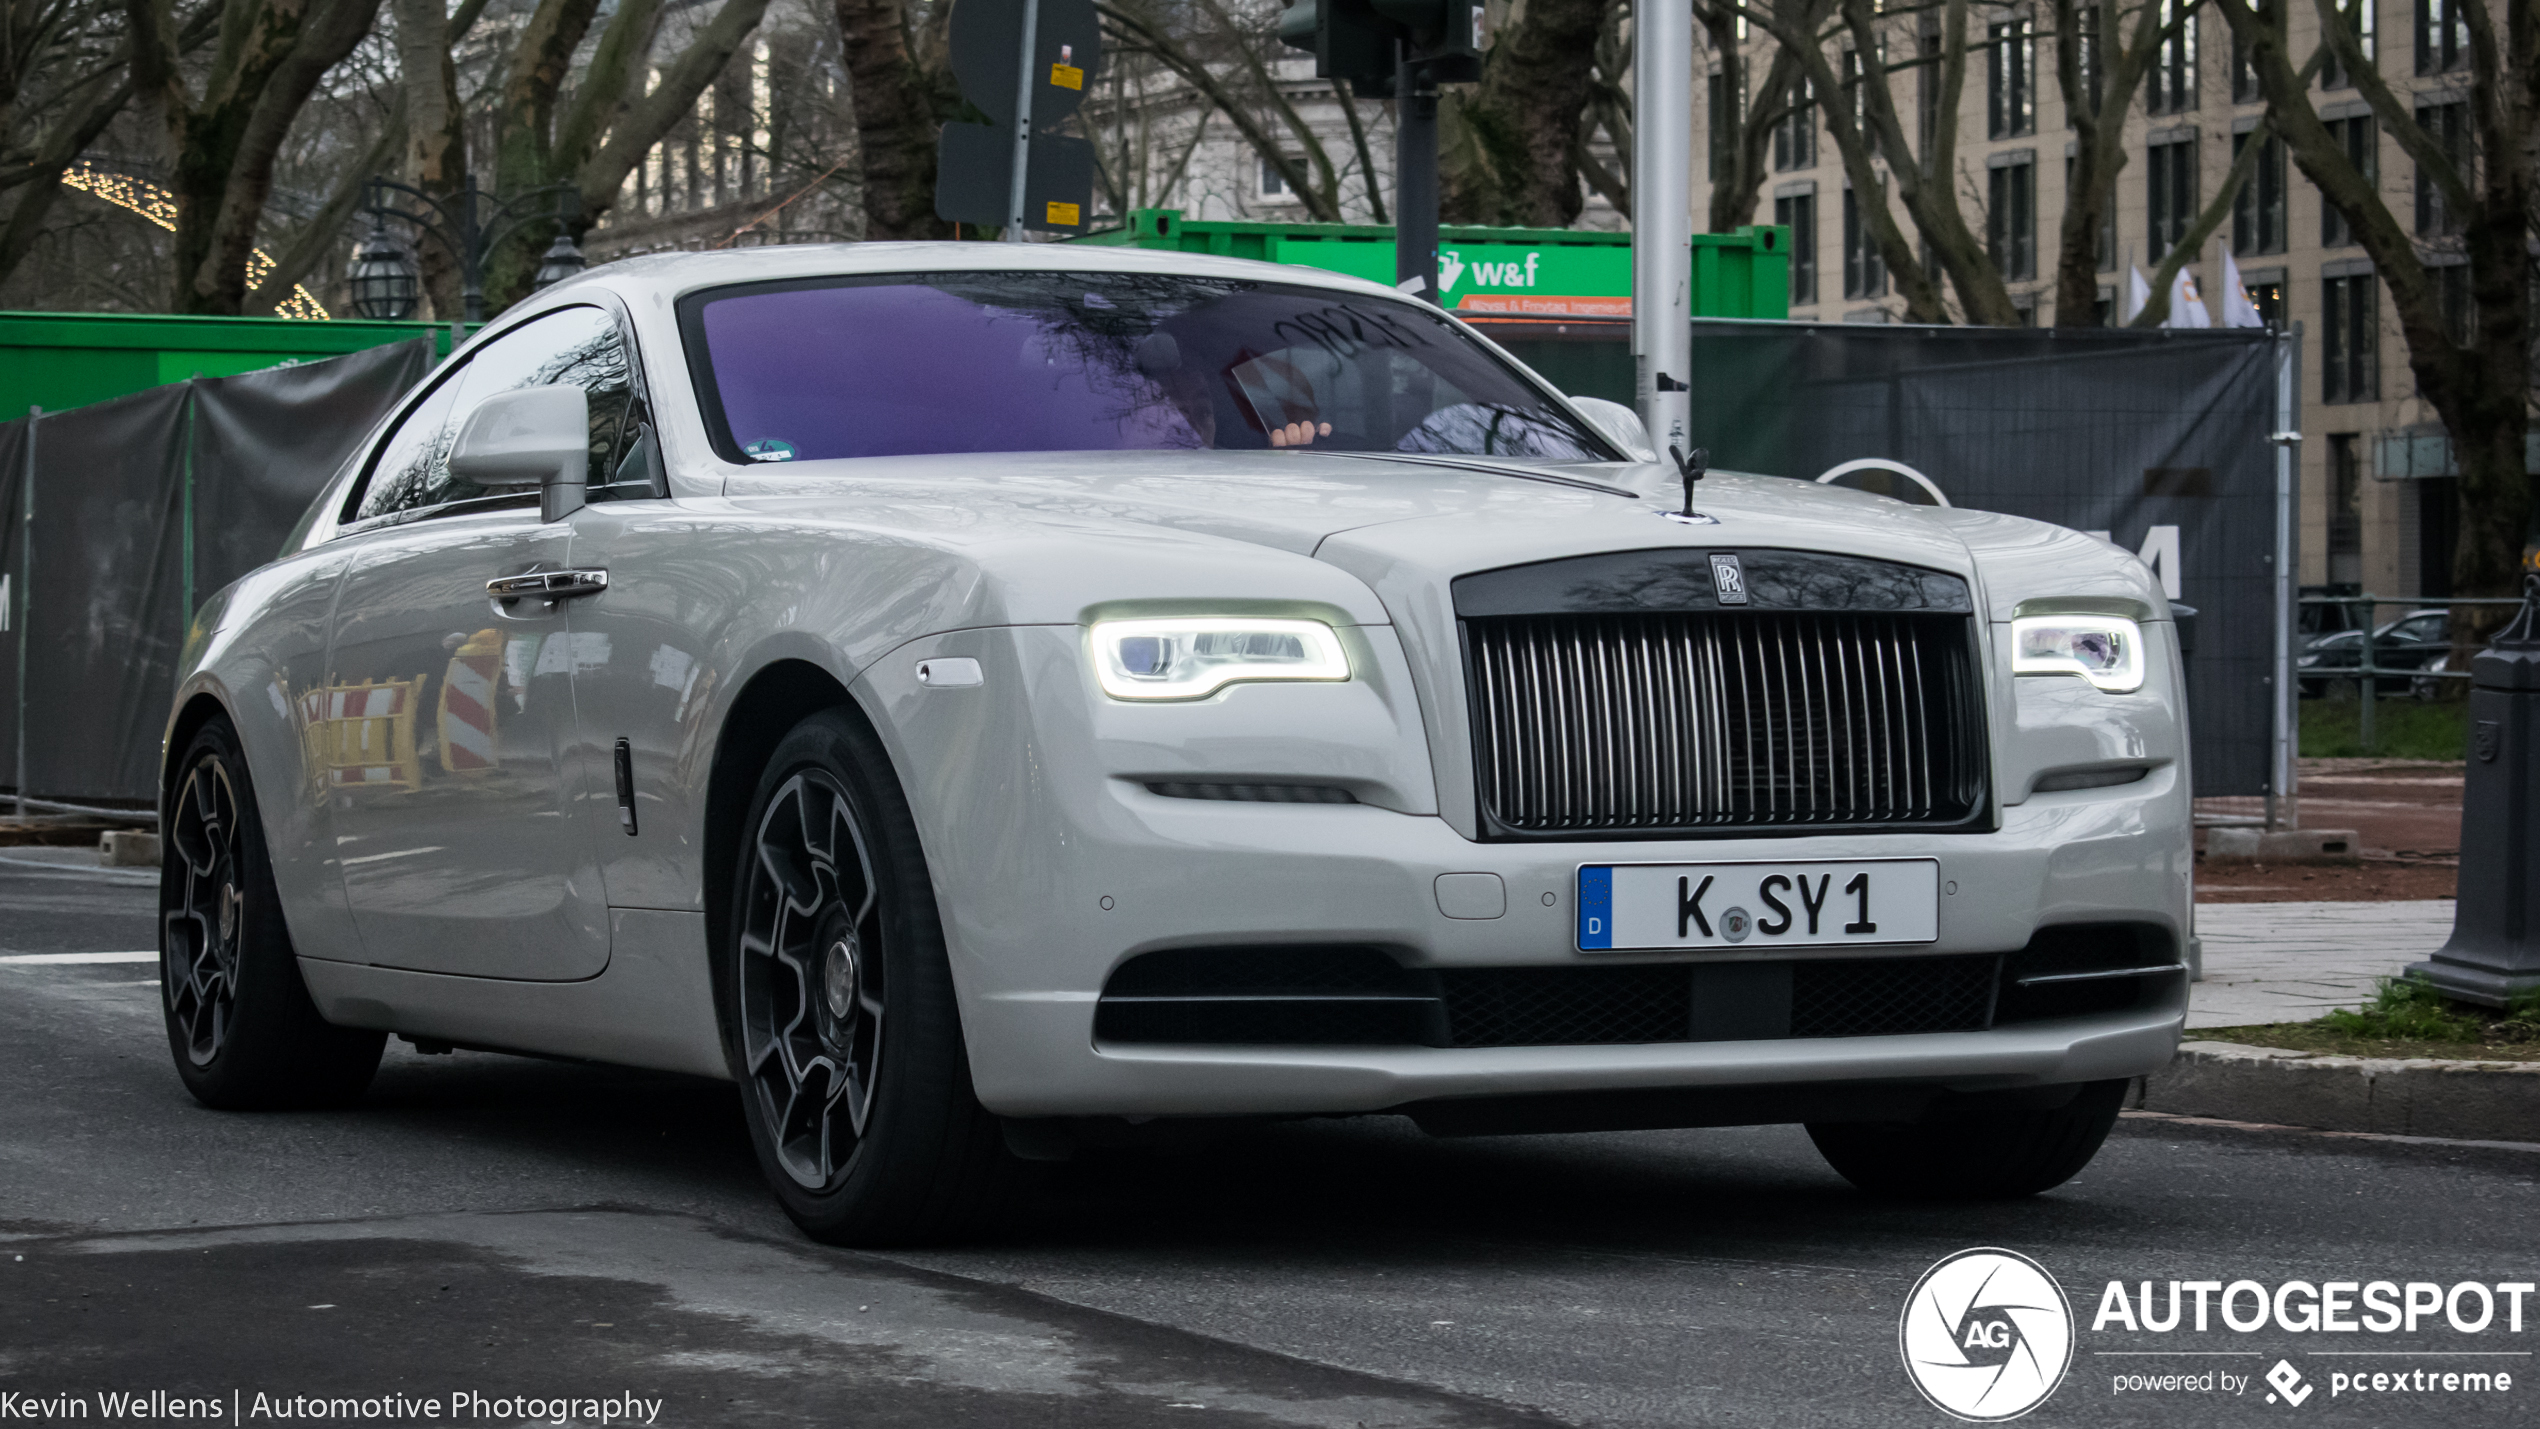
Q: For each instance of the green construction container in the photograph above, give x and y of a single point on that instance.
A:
(62, 360)
(1522, 275)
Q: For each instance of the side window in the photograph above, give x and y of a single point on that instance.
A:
(578, 345)
(414, 463)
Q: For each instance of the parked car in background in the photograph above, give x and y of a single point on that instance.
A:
(2406, 653)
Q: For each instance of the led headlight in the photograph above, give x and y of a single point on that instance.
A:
(2106, 650)
(1188, 659)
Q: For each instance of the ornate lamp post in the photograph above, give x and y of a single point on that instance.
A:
(385, 285)
(468, 225)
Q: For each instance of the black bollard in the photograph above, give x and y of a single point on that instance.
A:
(2494, 953)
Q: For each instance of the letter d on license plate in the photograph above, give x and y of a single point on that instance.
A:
(1795, 904)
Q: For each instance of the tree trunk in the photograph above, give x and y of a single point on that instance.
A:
(435, 151)
(899, 108)
(1526, 119)
(2481, 387)
(271, 57)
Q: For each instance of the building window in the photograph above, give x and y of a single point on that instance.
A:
(1798, 213)
(2442, 36)
(2345, 508)
(2244, 75)
(2171, 87)
(2350, 354)
(1864, 271)
(2025, 304)
(2010, 79)
(2103, 309)
(2267, 296)
(2357, 16)
(2448, 126)
(1795, 133)
(2170, 172)
(2357, 135)
(1719, 132)
(2011, 216)
(1274, 185)
(2088, 60)
(2258, 214)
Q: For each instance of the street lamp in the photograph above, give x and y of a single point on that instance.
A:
(385, 286)
(468, 225)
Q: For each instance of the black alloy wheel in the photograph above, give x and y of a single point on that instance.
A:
(812, 979)
(838, 1010)
(241, 1026)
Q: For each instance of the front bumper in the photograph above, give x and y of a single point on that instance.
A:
(1052, 868)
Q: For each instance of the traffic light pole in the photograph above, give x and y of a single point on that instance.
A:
(1662, 219)
(1415, 183)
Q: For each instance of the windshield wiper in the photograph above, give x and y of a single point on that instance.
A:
(1481, 464)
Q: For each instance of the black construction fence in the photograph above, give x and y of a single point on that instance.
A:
(117, 518)
(142, 506)
(2158, 439)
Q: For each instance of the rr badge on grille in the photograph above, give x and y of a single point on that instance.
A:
(1727, 580)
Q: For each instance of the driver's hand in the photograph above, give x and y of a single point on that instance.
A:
(1298, 434)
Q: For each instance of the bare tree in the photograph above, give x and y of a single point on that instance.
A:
(2475, 366)
(1742, 124)
(1867, 137)
(222, 140)
(901, 78)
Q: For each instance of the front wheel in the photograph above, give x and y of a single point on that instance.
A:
(241, 1026)
(838, 1007)
(1993, 1154)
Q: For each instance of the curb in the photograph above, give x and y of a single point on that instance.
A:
(2411, 1096)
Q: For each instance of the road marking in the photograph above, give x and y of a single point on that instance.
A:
(2333, 1135)
(28, 958)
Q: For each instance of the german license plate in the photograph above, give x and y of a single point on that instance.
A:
(1750, 905)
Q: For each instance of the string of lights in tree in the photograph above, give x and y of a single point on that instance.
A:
(159, 206)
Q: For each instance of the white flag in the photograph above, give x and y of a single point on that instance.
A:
(2187, 306)
(2238, 311)
(2138, 295)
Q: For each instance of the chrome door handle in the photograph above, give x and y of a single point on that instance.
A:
(549, 585)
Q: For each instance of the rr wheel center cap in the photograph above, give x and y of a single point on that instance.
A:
(838, 977)
(229, 906)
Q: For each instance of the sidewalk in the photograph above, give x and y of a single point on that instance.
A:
(2292, 962)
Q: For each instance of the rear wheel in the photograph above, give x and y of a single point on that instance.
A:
(240, 1023)
(838, 1007)
(1982, 1155)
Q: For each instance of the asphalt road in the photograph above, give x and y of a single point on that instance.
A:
(490, 1228)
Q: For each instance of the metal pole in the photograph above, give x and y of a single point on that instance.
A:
(2283, 808)
(26, 593)
(1022, 121)
(471, 261)
(1662, 219)
(1415, 182)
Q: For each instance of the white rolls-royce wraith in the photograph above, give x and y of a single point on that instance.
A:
(982, 699)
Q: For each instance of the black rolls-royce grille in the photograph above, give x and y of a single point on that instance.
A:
(1607, 724)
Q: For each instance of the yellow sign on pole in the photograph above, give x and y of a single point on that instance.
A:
(1067, 76)
(1066, 215)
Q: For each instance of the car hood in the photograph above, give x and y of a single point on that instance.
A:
(1402, 525)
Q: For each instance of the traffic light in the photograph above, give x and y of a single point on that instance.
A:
(1358, 40)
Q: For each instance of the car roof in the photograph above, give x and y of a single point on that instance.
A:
(670, 275)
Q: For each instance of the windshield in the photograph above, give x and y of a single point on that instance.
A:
(908, 364)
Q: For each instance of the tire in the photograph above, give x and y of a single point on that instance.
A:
(1973, 1156)
(834, 941)
(241, 1026)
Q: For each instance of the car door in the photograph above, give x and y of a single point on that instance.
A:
(461, 816)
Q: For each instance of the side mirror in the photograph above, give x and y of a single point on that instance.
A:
(1619, 424)
(530, 436)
